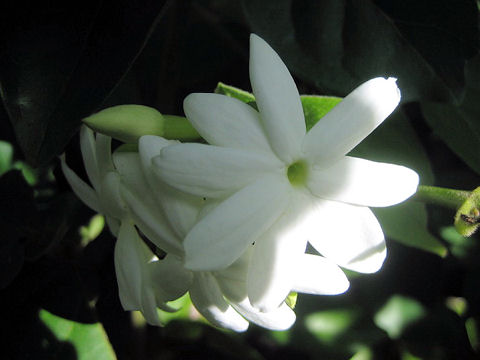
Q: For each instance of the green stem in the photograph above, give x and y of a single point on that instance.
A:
(450, 198)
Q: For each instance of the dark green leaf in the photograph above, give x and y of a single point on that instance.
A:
(61, 60)
(336, 45)
(459, 126)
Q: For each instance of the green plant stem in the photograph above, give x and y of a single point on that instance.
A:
(450, 198)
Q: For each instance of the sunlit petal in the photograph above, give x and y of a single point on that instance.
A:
(347, 234)
(277, 99)
(225, 121)
(363, 182)
(320, 276)
(224, 233)
(211, 171)
(275, 256)
(352, 120)
(208, 300)
(280, 318)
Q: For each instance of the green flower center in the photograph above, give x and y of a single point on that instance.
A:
(297, 173)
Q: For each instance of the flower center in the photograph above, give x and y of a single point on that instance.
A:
(297, 173)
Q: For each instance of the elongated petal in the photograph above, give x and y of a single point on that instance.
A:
(280, 318)
(233, 280)
(349, 235)
(211, 171)
(275, 256)
(143, 206)
(111, 200)
(208, 300)
(149, 308)
(169, 278)
(225, 121)
(152, 223)
(80, 187)
(320, 276)
(128, 267)
(352, 120)
(277, 99)
(89, 155)
(103, 146)
(150, 146)
(363, 182)
(180, 208)
(224, 233)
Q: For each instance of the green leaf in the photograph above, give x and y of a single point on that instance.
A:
(315, 107)
(407, 223)
(339, 44)
(6, 156)
(90, 340)
(77, 54)
(398, 313)
(459, 126)
(329, 325)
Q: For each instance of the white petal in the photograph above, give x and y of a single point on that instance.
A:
(277, 99)
(128, 267)
(150, 146)
(224, 233)
(352, 120)
(151, 221)
(233, 280)
(211, 171)
(110, 199)
(143, 205)
(225, 121)
(113, 224)
(131, 259)
(103, 145)
(208, 300)
(180, 208)
(169, 278)
(280, 318)
(89, 155)
(349, 235)
(320, 276)
(149, 308)
(363, 182)
(80, 187)
(275, 256)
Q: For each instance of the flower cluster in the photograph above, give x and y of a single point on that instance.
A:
(231, 220)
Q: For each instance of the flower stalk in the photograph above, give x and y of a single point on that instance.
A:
(450, 198)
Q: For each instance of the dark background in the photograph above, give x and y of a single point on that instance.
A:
(62, 61)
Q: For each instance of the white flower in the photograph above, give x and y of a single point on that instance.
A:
(102, 196)
(279, 187)
(134, 262)
(165, 216)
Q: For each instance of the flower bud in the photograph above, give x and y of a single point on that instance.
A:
(128, 123)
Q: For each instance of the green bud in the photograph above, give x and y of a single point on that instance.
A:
(467, 218)
(128, 123)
